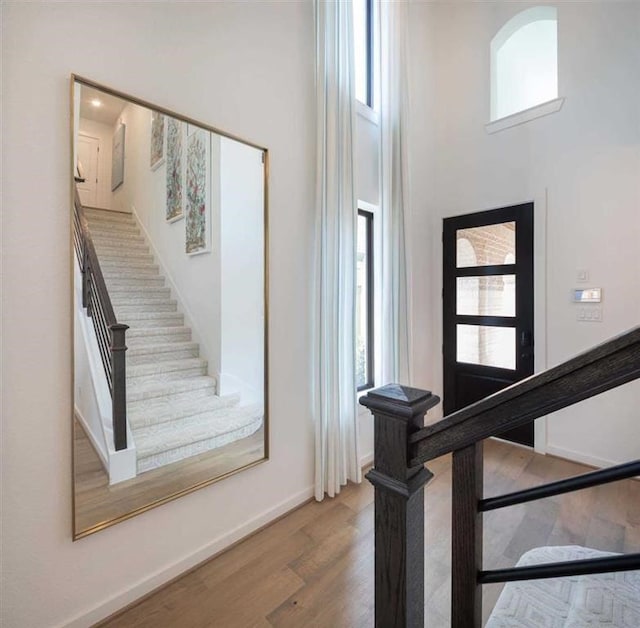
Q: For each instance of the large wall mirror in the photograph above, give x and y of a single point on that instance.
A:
(170, 305)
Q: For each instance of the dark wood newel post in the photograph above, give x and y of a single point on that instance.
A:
(399, 505)
(119, 385)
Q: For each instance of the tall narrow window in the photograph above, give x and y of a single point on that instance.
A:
(363, 48)
(364, 301)
(524, 62)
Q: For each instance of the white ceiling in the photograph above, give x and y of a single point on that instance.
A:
(107, 113)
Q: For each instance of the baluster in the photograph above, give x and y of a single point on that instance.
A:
(119, 385)
(85, 277)
(399, 505)
(466, 537)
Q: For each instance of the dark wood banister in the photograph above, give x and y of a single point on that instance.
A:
(112, 344)
(402, 445)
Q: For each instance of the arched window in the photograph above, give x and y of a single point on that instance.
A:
(524, 62)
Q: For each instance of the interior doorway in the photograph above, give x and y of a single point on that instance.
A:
(488, 306)
(88, 158)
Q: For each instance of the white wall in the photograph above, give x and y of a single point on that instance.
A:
(194, 278)
(242, 271)
(247, 68)
(581, 166)
(105, 134)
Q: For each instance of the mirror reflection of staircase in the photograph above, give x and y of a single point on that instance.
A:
(173, 408)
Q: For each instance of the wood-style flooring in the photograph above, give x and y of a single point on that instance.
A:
(97, 503)
(314, 567)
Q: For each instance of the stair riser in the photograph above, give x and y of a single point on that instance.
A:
(130, 264)
(138, 299)
(166, 367)
(122, 254)
(152, 336)
(158, 336)
(152, 413)
(107, 214)
(130, 273)
(135, 283)
(152, 292)
(146, 308)
(154, 358)
(195, 393)
(124, 232)
(102, 226)
(133, 317)
(122, 245)
(166, 377)
(150, 324)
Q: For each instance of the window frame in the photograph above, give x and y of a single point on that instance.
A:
(369, 55)
(519, 20)
(369, 383)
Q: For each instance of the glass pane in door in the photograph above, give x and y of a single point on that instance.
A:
(490, 245)
(493, 295)
(486, 346)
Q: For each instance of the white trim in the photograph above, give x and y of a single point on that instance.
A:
(206, 552)
(526, 115)
(366, 460)
(576, 456)
(87, 430)
(540, 312)
(366, 112)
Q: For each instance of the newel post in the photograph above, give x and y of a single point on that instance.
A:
(119, 385)
(399, 505)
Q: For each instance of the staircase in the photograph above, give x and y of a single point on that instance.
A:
(172, 406)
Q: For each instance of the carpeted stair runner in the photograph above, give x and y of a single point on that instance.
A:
(172, 405)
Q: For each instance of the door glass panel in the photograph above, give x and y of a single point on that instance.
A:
(486, 346)
(486, 296)
(486, 246)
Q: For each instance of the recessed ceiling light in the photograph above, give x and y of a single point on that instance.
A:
(96, 103)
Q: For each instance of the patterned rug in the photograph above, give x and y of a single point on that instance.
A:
(594, 601)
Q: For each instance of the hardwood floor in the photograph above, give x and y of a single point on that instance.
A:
(96, 502)
(314, 567)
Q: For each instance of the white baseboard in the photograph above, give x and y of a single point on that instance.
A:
(366, 460)
(94, 443)
(576, 456)
(156, 580)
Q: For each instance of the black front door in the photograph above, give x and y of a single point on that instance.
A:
(488, 306)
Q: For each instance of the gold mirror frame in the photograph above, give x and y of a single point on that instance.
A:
(84, 82)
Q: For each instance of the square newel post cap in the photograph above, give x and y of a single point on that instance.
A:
(400, 401)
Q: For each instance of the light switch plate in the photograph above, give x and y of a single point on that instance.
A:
(582, 275)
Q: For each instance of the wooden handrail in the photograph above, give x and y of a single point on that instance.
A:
(110, 334)
(403, 445)
(602, 368)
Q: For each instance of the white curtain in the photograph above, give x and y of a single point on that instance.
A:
(394, 169)
(337, 456)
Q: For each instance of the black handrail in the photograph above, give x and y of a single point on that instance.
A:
(402, 445)
(602, 368)
(110, 334)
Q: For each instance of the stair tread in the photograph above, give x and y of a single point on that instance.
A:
(170, 388)
(149, 412)
(173, 434)
(144, 333)
(165, 366)
(160, 347)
